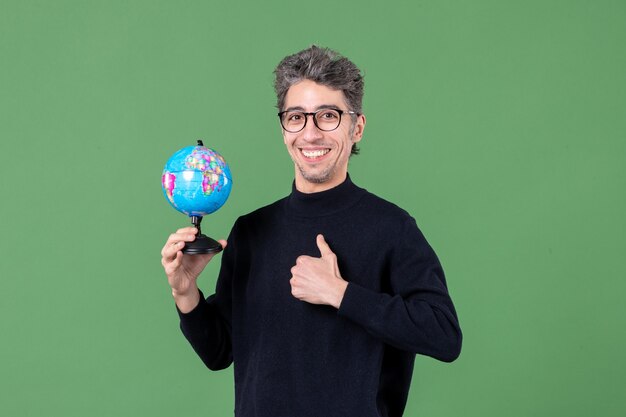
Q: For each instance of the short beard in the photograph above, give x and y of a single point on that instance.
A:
(319, 178)
(330, 171)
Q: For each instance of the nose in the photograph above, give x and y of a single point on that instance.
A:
(311, 132)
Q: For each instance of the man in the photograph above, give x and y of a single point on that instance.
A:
(324, 297)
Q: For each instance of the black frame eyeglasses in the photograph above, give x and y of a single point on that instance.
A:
(326, 120)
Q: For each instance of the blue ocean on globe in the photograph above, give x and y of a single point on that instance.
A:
(196, 181)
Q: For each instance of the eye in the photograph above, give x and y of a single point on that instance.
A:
(294, 117)
(328, 115)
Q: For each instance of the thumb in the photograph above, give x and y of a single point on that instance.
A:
(323, 246)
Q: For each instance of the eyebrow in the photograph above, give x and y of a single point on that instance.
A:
(322, 107)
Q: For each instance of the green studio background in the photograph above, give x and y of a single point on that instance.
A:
(500, 125)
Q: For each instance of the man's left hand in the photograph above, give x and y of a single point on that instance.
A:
(317, 280)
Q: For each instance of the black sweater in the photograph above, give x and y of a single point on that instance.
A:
(296, 359)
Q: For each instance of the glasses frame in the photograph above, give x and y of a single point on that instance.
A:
(313, 114)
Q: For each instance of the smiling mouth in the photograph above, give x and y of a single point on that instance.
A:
(314, 154)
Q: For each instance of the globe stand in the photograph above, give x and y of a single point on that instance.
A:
(203, 244)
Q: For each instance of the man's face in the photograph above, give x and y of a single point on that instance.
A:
(320, 158)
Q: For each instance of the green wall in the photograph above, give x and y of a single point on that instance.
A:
(500, 125)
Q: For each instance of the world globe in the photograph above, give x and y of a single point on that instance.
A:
(196, 180)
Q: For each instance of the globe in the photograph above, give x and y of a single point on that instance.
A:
(196, 180)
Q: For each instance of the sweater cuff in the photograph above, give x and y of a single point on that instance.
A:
(359, 304)
(196, 314)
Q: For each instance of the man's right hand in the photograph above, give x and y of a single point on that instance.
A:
(183, 270)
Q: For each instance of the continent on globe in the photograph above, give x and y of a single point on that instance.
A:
(196, 181)
(211, 165)
(168, 182)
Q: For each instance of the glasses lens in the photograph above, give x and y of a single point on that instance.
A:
(293, 121)
(327, 119)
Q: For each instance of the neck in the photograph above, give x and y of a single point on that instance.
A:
(323, 203)
(309, 187)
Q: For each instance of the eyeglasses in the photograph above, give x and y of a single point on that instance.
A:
(326, 120)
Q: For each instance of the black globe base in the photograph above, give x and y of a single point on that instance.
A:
(202, 245)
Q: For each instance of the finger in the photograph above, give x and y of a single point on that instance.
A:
(174, 264)
(302, 259)
(178, 259)
(180, 237)
(187, 230)
(170, 249)
(323, 246)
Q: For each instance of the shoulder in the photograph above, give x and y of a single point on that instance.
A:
(267, 210)
(261, 216)
(399, 226)
(387, 218)
(381, 208)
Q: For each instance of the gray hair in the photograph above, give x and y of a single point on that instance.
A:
(323, 66)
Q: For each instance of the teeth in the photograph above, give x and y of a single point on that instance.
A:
(315, 154)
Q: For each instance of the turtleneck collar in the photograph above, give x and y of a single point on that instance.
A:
(326, 202)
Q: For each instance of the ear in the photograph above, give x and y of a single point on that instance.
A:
(358, 128)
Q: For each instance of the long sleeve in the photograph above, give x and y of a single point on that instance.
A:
(208, 327)
(418, 314)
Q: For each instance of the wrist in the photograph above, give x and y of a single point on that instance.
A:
(188, 300)
(339, 293)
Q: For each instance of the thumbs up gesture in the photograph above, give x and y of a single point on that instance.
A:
(318, 280)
